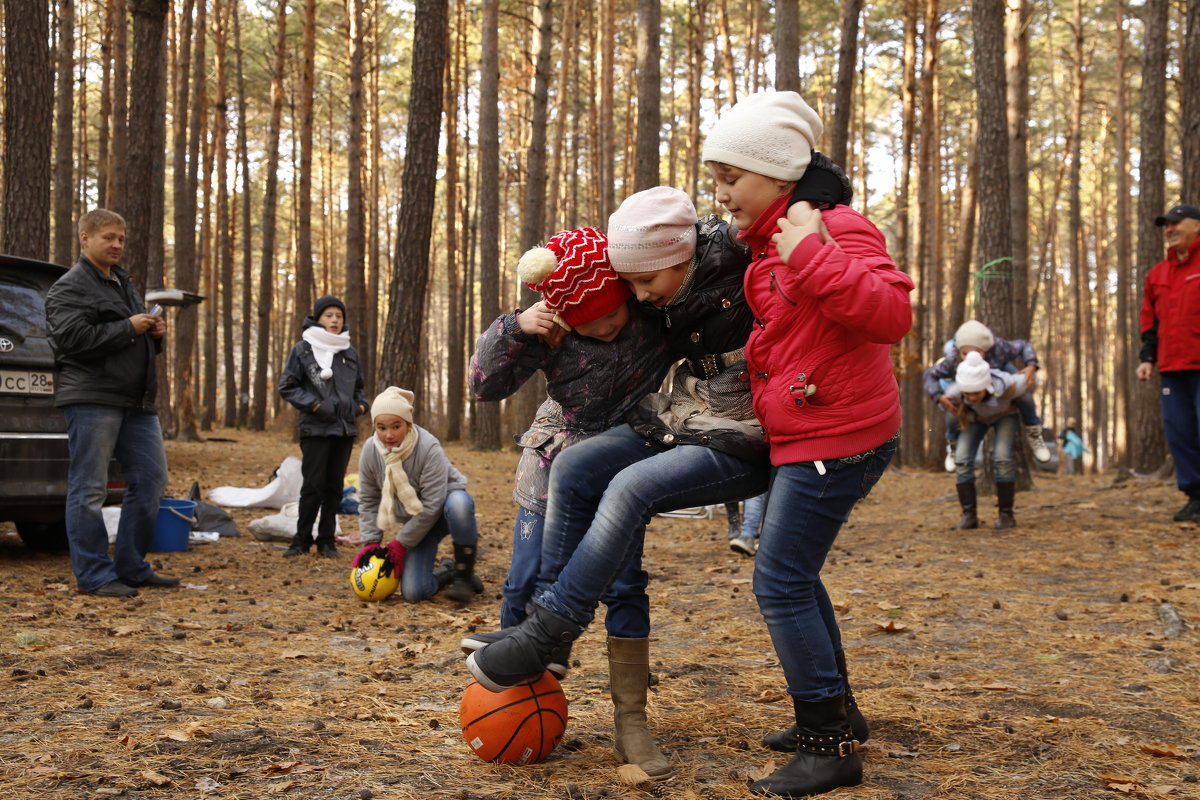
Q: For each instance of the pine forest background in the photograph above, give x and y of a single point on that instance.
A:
(403, 154)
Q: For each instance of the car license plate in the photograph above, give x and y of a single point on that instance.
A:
(15, 381)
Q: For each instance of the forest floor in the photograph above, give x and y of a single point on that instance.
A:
(1056, 660)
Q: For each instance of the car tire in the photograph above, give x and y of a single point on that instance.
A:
(43, 535)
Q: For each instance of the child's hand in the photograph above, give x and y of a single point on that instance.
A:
(537, 320)
(802, 220)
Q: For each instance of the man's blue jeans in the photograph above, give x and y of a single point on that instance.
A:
(628, 615)
(1181, 423)
(805, 511)
(458, 520)
(603, 492)
(1002, 449)
(95, 434)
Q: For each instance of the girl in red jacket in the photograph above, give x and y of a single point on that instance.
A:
(828, 304)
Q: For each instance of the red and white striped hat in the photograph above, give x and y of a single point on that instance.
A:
(574, 276)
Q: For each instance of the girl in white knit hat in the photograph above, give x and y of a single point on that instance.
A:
(407, 485)
(985, 399)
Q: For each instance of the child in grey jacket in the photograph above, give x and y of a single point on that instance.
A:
(405, 481)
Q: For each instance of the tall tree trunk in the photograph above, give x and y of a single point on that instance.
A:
(487, 415)
(304, 255)
(247, 280)
(726, 52)
(649, 104)
(1126, 341)
(1147, 438)
(266, 285)
(28, 129)
(119, 157)
(843, 104)
(960, 276)
(1017, 64)
(995, 221)
(64, 183)
(1189, 136)
(356, 243)
(224, 222)
(410, 277)
(455, 301)
(787, 45)
(1079, 289)
(908, 106)
(145, 146)
(106, 111)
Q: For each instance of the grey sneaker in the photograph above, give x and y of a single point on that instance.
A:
(1037, 444)
(744, 545)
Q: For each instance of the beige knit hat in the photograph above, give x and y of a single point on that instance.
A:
(974, 333)
(393, 400)
(771, 133)
(653, 229)
(973, 374)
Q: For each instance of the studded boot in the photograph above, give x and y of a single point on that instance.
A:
(826, 753)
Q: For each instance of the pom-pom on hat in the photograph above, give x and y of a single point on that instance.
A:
(393, 400)
(771, 133)
(574, 276)
(973, 374)
(651, 230)
(974, 333)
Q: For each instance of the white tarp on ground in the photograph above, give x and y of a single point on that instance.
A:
(281, 527)
(285, 488)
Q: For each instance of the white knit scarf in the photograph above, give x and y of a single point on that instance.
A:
(396, 483)
(325, 345)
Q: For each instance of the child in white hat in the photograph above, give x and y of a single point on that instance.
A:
(406, 484)
(985, 398)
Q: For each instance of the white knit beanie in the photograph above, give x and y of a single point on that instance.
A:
(974, 333)
(973, 374)
(393, 400)
(771, 133)
(653, 229)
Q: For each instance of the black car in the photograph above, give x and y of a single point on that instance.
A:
(33, 433)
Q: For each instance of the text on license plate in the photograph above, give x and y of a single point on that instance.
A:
(17, 381)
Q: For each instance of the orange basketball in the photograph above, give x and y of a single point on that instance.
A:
(520, 725)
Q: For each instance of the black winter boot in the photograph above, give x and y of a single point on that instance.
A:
(299, 546)
(826, 754)
(523, 655)
(787, 741)
(1005, 493)
(463, 583)
(966, 498)
(560, 662)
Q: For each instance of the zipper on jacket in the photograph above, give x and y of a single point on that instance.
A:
(779, 289)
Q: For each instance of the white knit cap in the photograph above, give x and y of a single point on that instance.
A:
(653, 229)
(393, 400)
(771, 133)
(973, 374)
(974, 333)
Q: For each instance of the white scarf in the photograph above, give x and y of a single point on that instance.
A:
(396, 483)
(324, 346)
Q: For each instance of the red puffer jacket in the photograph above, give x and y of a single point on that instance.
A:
(818, 354)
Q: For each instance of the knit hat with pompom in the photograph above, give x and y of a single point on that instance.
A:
(574, 276)
(973, 374)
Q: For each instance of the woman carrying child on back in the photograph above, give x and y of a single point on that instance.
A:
(322, 379)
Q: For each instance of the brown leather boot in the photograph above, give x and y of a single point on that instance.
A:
(629, 679)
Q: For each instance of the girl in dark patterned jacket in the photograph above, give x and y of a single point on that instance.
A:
(322, 379)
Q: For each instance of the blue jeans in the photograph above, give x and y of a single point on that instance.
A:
(1181, 422)
(1002, 449)
(628, 614)
(603, 492)
(417, 582)
(752, 514)
(95, 435)
(805, 511)
(1025, 407)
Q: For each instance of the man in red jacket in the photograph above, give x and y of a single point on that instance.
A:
(1171, 339)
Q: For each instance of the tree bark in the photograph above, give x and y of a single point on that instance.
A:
(64, 184)
(649, 104)
(410, 277)
(487, 415)
(843, 105)
(356, 242)
(304, 248)
(1017, 64)
(787, 45)
(28, 129)
(1189, 137)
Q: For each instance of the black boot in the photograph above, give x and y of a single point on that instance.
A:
(826, 753)
(1005, 492)
(787, 741)
(522, 655)
(560, 662)
(463, 583)
(299, 546)
(966, 498)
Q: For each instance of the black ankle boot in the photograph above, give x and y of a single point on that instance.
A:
(826, 753)
(966, 498)
(299, 546)
(463, 583)
(523, 654)
(1005, 494)
(787, 741)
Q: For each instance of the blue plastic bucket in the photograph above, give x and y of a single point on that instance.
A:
(173, 526)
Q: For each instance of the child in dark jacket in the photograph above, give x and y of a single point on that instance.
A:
(322, 379)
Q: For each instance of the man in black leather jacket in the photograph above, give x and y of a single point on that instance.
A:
(105, 345)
